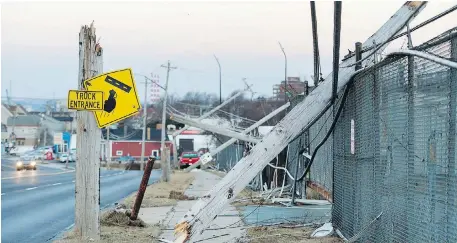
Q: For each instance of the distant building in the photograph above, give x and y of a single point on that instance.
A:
(28, 130)
(10, 110)
(294, 85)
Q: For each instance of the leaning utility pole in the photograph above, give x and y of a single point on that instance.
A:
(166, 167)
(144, 122)
(87, 183)
(193, 224)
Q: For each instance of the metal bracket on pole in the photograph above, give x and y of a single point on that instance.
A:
(214, 129)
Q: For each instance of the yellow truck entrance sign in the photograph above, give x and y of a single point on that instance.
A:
(85, 100)
(119, 93)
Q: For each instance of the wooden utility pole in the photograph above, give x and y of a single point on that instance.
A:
(87, 184)
(166, 167)
(144, 122)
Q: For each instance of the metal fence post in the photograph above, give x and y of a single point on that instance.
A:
(410, 138)
(451, 178)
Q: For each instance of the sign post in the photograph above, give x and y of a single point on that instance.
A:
(87, 182)
(110, 97)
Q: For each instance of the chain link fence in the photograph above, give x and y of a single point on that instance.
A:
(392, 151)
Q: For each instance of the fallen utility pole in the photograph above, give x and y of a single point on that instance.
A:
(87, 182)
(214, 129)
(142, 189)
(249, 129)
(209, 113)
(165, 167)
(206, 209)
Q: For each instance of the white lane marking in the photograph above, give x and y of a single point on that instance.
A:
(3, 194)
(72, 181)
(55, 184)
(69, 227)
(31, 188)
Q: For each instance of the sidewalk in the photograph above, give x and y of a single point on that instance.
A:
(168, 217)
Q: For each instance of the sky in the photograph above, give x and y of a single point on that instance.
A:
(39, 41)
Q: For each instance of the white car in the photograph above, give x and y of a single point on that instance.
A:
(63, 158)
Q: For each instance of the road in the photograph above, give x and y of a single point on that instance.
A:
(39, 205)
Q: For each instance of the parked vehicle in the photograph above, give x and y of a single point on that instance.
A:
(63, 158)
(20, 150)
(188, 158)
(126, 159)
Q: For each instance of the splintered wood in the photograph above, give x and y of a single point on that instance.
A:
(198, 218)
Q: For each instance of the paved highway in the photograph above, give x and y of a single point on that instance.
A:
(38, 205)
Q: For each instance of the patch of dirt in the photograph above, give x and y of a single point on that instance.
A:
(160, 194)
(272, 234)
(120, 217)
(180, 196)
(115, 234)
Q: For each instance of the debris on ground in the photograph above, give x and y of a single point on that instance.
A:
(180, 196)
(120, 216)
(284, 233)
(118, 234)
(159, 194)
(116, 226)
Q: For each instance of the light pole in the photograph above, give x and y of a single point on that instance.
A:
(285, 71)
(220, 80)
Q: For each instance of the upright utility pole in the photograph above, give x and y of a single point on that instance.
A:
(315, 44)
(166, 167)
(144, 122)
(87, 183)
(220, 81)
(285, 73)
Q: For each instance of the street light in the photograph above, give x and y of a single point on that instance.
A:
(285, 72)
(220, 80)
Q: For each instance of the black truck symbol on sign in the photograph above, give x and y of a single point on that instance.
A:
(110, 103)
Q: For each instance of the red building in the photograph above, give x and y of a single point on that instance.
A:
(121, 148)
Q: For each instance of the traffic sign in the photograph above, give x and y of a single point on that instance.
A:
(121, 99)
(85, 100)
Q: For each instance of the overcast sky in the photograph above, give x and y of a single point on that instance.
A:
(40, 41)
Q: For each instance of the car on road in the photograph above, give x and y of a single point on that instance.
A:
(26, 162)
(188, 158)
(63, 158)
